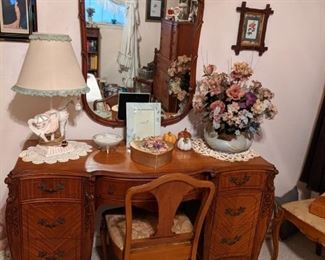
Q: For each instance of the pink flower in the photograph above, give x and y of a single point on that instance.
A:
(235, 92)
(218, 104)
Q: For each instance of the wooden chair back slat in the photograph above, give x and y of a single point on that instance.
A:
(169, 191)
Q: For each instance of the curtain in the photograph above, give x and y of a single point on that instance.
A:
(107, 3)
(128, 56)
(313, 173)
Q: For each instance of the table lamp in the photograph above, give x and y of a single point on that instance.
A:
(51, 69)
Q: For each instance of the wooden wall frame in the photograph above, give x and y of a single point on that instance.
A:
(21, 13)
(155, 10)
(252, 29)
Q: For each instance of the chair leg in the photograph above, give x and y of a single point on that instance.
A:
(103, 238)
(276, 224)
(319, 248)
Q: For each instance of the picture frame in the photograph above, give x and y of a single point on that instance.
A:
(252, 29)
(13, 28)
(142, 120)
(154, 10)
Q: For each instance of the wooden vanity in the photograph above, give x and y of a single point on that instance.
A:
(50, 210)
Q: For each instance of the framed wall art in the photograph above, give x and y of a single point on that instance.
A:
(154, 10)
(252, 29)
(142, 120)
(18, 19)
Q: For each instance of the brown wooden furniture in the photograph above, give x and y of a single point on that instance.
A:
(93, 44)
(168, 191)
(297, 212)
(41, 196)
(176, 40)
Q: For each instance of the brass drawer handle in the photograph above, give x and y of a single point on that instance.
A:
(230, 241)
(55, 256)
(239, 181)
(235, 212)
(45, 223)
(43, 187)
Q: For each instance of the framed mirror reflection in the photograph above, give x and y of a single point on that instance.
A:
(121, 52)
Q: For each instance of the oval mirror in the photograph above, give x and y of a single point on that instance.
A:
(167, 73)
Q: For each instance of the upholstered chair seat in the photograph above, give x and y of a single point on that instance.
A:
(143, 226)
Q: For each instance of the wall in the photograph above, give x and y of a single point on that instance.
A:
(293, 68)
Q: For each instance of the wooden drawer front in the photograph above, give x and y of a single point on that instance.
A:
(52, 220)
(51, 188)
(234, 224)
(244, 179)
(107, 188)
(52, 249)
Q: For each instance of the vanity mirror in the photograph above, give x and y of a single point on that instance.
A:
(178, 40)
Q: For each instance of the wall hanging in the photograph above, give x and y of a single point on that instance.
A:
(252, 29)
(18, 19)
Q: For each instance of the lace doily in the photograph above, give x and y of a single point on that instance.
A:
(72, 151)
(200, 147)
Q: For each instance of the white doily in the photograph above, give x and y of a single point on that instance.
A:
(72, 151)
(200, 147)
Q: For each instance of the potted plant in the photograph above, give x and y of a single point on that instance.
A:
(233, 107)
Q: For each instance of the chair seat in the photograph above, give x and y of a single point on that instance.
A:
(300, 209)
(142, 227)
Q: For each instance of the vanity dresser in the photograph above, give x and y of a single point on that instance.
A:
(51, 207)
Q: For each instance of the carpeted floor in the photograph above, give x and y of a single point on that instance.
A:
(297, 247)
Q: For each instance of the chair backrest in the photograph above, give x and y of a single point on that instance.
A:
(169, 191)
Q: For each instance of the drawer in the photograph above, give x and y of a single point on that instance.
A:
(52, 220)
(243, 179)
(116, 189)
(67, 188)
(52, 249)
(234, 224)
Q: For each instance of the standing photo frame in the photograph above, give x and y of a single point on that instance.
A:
(18, 19)
(154, 10)
(142, 120)
(252, 29)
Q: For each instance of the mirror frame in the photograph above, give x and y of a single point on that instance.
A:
(121, 123)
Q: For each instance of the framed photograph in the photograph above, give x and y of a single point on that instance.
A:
(18, 19)
(154, 10)
(142, 120)
(252, 29)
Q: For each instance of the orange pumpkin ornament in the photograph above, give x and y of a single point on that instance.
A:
(170, 137)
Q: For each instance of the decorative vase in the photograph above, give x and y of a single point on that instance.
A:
(236, 145)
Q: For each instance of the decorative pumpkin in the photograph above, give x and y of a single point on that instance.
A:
(184, 144)
(170, 137)
(184, 134)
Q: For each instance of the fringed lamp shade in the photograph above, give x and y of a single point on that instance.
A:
(50, 68)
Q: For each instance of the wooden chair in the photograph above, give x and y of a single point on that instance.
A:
(170, 236)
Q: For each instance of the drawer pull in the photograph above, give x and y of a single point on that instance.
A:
(234, 212)
(45, 223)
(43, 187)
(230, 241)
(239, 181)
(55, 256)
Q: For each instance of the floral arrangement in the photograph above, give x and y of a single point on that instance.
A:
(90, 11)
(232, 104)
(179, 77)
(154, 144)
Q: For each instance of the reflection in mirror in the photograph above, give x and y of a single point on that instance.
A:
(167, 52)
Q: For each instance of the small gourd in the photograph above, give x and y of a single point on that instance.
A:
(184, 144)
(170, 137)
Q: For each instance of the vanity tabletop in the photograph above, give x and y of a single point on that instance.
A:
(118, 163)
